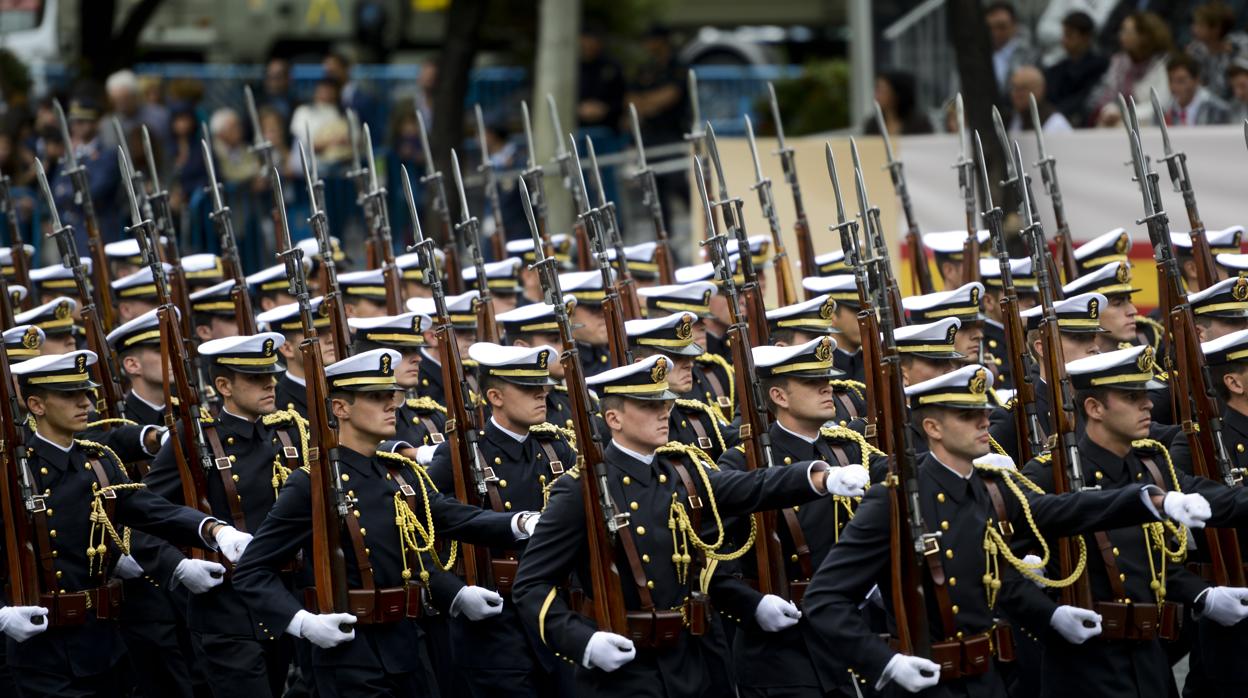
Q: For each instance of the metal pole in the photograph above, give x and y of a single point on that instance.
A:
(558, 30)
(861, 61)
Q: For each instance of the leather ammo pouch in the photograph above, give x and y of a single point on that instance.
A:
(971, 656)
(797, 592)
(71, 608)
(658, 630)
(375, 606)
(504, 571)
(1003, 641)
(1140, 622)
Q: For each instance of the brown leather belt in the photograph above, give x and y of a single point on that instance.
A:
(658, 630)
(971, 656)
(1139, 621)
(376, 606)
(67, 609)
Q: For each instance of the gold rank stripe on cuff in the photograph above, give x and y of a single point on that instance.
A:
(1125, 378)
(804, 322)
(972, 398)
(914, 348)
(1097, 262)
(1204, 309)
(519, 372)
(363, 380)
(677, 307)
(950, 312)
(640, 388)
(141, 337)
(244, 361)
(808, 365)
(145, 290)
(217, 305)
(58, 283)
(60, 378)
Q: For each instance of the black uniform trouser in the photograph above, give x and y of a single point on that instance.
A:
(243, 666)
(368, 682)
(162, 659)
(39, 683)
(793, 692)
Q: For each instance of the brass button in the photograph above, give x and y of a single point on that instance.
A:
(633, 506)
(502, 483)
(507, 506)
(1115, 551)
(1099, 475)
(953, 581)
(49, 512)
(59, 574)
(949, 553)
(955, 608)
(662, 478)
(44, 471)
(1239, 448)
(346, 477)
(52, 533)
(788, 461)
(792, 558)
(415, 420)
(498, 460)
(650, 584)
(229, 440)
(944, 525)
(940, 497)
(627, 480)
(363, 531)
(1122, 577)
(645, 557)
(641, 530)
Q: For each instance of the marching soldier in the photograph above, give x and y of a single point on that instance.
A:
(964, 304)
(717, 319)
(642, 266)
(842, 289)
(1220, 309)
(803, 322)
(56, 281)
(412, 273)
(123, 257)
(831, 264)
(261, 447)
(1225, 241)
(363, 293)
(136, 294)
(212, 312)
(1114, 246)
(56, 319)
(463, 312)
(524, 454)
(760, 246)
(87, 500)
(201, 270)
(777, 651)
(713, 381)
(535, 325)
(503, 278)
(291, 388)
(271, 288)
(7, 269)
(589, 324)
(530, 284)
(1134, 574)
(926, 352)
(692, 421)
(388, 558)
(654, 481)
(1024, 277)
(955, 483)
(22, 342)
(947, 248)
(1119, 318)
(137, 345)
(419, 420)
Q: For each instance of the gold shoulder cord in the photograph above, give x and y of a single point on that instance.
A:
(867, 450)
(112, 422)
(1155, 532)
(417, 536)
(425, 403)
(709, 358)
(284, 419)
(850, 386)
(683, 531)
(101, 527)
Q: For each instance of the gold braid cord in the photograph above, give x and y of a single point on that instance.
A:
(838, 433)
(995, 544)
(717, 360)
(850, 386)
(713, 414)
(683, 532)
(1155, 532)
(415, 535)
(425, 404)
(285, 419)
(102, 528)
(112, 422)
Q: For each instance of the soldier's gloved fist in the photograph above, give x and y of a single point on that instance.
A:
(996, 460)
(1225, 605)
(848, 481)
(1191, 510)
(608, 651)
(127, 568)
(775, 614)
(232, 542)
(913, 674)
(323, 630)
(1033, 562)
(424, 454)
(199, 576)
(476, 603)
(23, 622)
(1076, 625)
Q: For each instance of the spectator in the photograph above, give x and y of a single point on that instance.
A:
(1071, 80)
(103, 176)
(427, 82)
(601, 82)
(1192, 103)
(1215, 46)
(1237, 78)
(659, 91)
(190, 174)
(125, 100)
(1169, 11)
(273, 128)
(350, 94)
(325, 121)
(1051, 26)
(277, 93)
(1010, 46)
(1028, 81)
(1134, 70)
(152, 109)
(895, 92)
(235, 163)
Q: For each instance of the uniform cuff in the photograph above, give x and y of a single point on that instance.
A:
(816, 466)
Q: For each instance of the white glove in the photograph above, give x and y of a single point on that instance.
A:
(999, 461)
(775, 614)
(913, 674)
(127, 568)
(530, 524)
(1226, 605)
(232, 542)
(608, 651)
(424, 454)
(1034, 560)
(1191, 510)
(322, 630)
(848, 481)
(476, 603)
(18, 622)
(1072, 622)
(199, 576)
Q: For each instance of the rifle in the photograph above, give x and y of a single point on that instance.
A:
(966, 184)
(331, 503)
(1186, 364)
(1048, 172)
(461, 428)
(697, 147)
(922, 274)
(17, 249)
(879, 267)
(469, 230)
(162, 219)
(318, 188)
(498, 240)
(1013, 173)
(359, 176)
(77, 174)
(650, 198)
(244, 315)
(788, 162)
(909, 540)
(1176, 163)
(110, 404)
(786, 292)
(259, 144)
(442, 207)
(754, 430)
(1026, 422)
(603, 521)
(624, 284)
(384, 245)
(573, 182)
(19, 502)
(868, 322)
(534, 178)
(332, 293)
(752, 293)
(190, 447)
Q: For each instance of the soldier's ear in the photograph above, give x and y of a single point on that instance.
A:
(1234, 383)
(340, 408)
(35, 405)
(931, 428)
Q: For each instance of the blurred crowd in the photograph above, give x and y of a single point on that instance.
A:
(1076, 56)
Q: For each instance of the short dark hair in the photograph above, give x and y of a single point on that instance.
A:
(1001, 6)
(609, 402)
(486, 381)
(773, 382)
(1218, 375)
(918, 414)
(1182, 61)
(1100, 394)
(216, 370)
(1217, 14)
(1079, 22)
(783, 334)
(344, 395)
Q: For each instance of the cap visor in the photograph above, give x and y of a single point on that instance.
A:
(71, 387)
(272, 368)
(528, 380)
(649, 397)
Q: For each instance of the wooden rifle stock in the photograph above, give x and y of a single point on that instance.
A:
(17, 250)
(18, 502)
